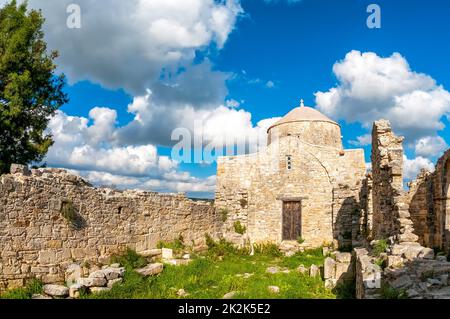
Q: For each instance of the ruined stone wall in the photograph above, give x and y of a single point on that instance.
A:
(387, 170)
(421, 208)
(391, 217)
(441, 201)
(429, 197)
(36, 241)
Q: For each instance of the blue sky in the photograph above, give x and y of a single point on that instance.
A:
(266, 56)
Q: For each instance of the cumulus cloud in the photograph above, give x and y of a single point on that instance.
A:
(174, 182)
(362, 140)
(412, 167)
(430, 146)
(91, 152)
(372, 87)
(126, 44)
(81, 146)
(154, 123)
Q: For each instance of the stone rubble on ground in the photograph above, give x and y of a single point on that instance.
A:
(230, 295)
(151, 269)
(99, 280)
(274, 289)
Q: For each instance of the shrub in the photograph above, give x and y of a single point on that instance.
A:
(129, 259)
(346, 289)
(380, 247)
(269, 249)
(176, 245)
(387, 292)
(70, 215)
(239, 228)
(223, 247)
(224, 214)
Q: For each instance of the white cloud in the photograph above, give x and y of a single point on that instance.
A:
(83, 147)
(430, 146)
(154, 123)
(412, 167)
(232, 103)
(362, 140)
(126, 44)
(270, 84)
(372, 87)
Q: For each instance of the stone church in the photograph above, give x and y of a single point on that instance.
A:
(304, 186)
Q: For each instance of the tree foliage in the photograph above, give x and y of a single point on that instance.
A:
(30, 92)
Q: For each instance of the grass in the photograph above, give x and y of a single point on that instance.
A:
(33, 287)
(177, 245)
(210, 277)
(380, 247)
(239, 228)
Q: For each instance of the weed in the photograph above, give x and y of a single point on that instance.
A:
(32, 287)
(239, 228)
(380, 247)
(224, 214)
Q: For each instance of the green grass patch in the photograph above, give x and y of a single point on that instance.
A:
(33, 287)
(225, 268)
(129, 259)
(380, 247)
(207, 278)
(306, 258)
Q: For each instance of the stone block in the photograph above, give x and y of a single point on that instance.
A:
(329, 269)
(167, 253)
(314, 271)
(92, 282)
(150, 253)
(56, 290)
(394, 261)
(402, 282)
(343, 257)
(20, 169)
(151, 269)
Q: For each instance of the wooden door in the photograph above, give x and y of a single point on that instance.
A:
(291, 220)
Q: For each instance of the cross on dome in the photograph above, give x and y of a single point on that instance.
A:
(302, 104)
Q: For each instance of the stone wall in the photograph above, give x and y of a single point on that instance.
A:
(326, 180)
(391, 217)
(37, 241)
(429, 198)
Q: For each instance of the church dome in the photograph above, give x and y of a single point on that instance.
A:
(303, 113)
(309, 126)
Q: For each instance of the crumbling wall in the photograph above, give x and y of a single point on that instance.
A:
(429, 205)
(50, 219)
(346, 216)
(391, 217)
(421, 208)
(441, 201)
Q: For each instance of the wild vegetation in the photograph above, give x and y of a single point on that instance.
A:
(220, 269)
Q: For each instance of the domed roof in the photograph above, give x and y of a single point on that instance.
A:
(303, 114)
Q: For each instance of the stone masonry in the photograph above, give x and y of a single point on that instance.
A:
(304, 163)
(50, 219)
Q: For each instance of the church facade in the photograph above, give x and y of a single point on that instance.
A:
(303, 187)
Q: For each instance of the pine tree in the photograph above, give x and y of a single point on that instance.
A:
(30, 92)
